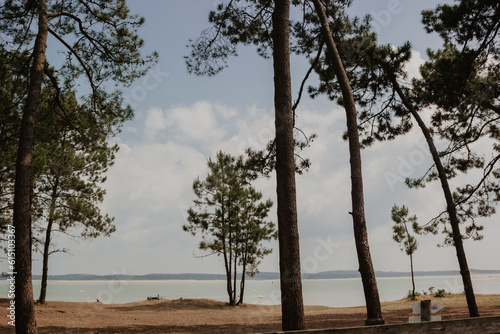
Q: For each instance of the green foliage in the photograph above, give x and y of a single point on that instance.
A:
(466, 102)
(99, 37)
(412, 296)
(71, 156)
(440, 293)
(401, 232)
(230, 217)
(12, 91)
(459, 83)
(70, 169)
(248, 23)
(238, 21)
(97, 44)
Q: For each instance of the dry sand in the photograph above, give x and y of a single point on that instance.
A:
(208, 316)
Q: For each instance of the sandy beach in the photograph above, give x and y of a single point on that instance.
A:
(209, 316)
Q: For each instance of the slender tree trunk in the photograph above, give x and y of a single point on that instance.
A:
(292, 308)
(243, 271)
(232, 255)
(412, 277)
(46, 248)
(242, 283)
(45, 268)
(227, 264)
(410, 251)
(235, 279)
(373, 308)
(229, 286)
(450, 204)
(25, 308)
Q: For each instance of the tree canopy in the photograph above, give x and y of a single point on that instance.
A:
(100, 44)
(231, 220)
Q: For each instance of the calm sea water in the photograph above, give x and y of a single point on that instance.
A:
(327, 292)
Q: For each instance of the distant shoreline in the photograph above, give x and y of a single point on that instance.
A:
(339, 274)
(495, 276)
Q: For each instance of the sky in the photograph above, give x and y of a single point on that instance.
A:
(181, 120)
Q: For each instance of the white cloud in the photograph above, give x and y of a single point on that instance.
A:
(413, 66)
(149, 191)
(155, 121)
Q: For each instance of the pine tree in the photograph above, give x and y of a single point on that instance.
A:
(69, 169)
(401, 234)
(265, 24)
(231, 220)
(460, 81)
(101, 45)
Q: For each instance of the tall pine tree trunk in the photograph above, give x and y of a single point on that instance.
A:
(373, 308)
(450, 204)
(292, 308)
(25, 308)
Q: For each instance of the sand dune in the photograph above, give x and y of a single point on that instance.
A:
(208, 316)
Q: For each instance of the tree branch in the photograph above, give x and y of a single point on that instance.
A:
(311, 68)
(80, 60)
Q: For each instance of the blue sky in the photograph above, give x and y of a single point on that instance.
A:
(181, 120)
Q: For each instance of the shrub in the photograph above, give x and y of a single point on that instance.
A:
(440, 293)
(410, 295)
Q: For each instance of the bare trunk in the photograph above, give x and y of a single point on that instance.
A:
(227, 265)
(25, 308)
(412, 277)
(450, 204)
(243, 272)
(46, 248)
(242, 283)
(410, 254)
(45, 269)
(235, 279)
(373, 308)
(292, 308)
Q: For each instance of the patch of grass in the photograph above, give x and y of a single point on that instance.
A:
(440, 293)
(411, 296)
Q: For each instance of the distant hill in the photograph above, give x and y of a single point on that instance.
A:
(260, 276)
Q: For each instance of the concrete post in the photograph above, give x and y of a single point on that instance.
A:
(425, 310)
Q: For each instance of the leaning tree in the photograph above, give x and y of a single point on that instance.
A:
(460, 83)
